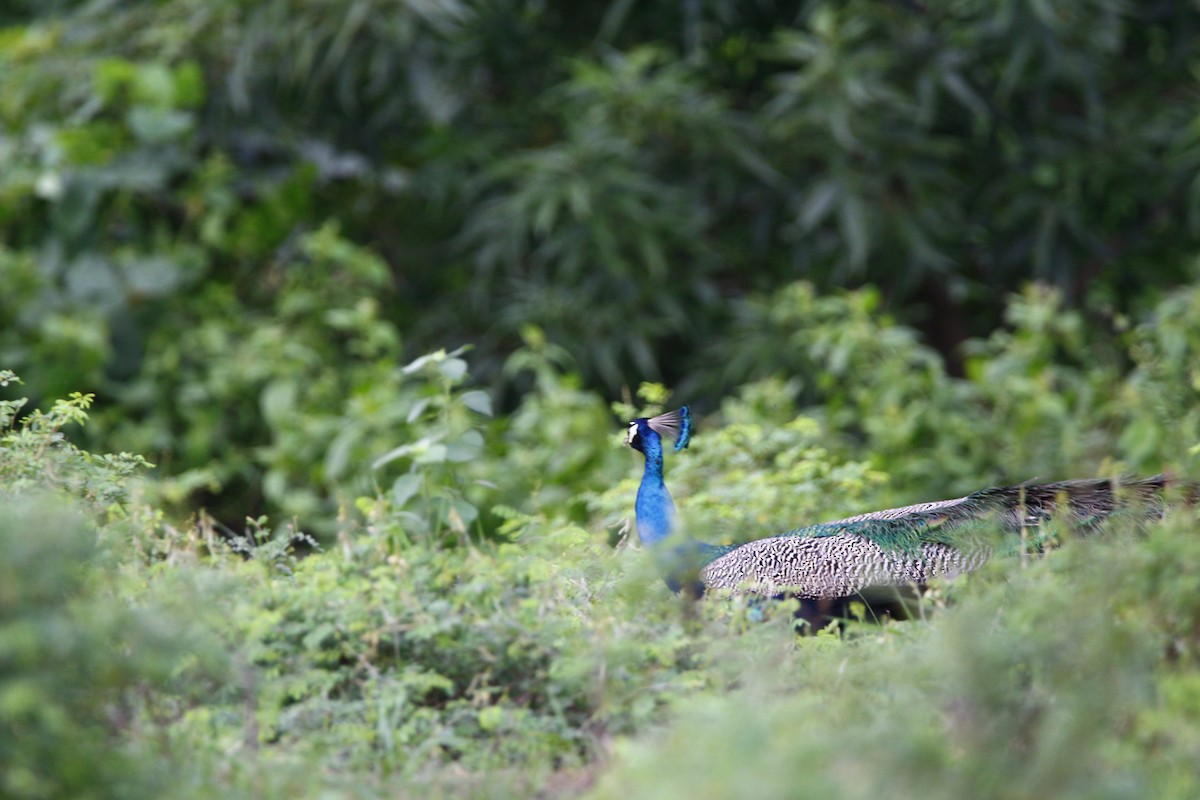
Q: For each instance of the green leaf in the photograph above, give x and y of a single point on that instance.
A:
(405, 487)
(855, 233)
(817, 204)
(156, 125)
(433, 454)
(392, 455)
(278, 401)
(477, 400)
(419, 363)
(460, 514)
(453, 369)
(466, 448)
(189, 85)
(338, 455)
(418, 408)
(111, 76)
(490, 718)
(318, 635)
(154, 85)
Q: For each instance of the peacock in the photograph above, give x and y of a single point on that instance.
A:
(877, 557)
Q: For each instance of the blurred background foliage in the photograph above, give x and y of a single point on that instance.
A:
(374, 180)
(345, 293)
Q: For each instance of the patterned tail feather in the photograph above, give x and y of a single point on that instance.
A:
(1023, 505)
(1086, 501)
(914, 544)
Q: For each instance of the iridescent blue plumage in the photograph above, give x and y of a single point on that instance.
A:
(655, 509)
(679, 557)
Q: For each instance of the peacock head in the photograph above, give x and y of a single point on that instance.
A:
(675, 424)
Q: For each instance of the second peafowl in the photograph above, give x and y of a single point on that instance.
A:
(868, 557)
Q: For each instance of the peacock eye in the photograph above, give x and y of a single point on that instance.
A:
(632, 433)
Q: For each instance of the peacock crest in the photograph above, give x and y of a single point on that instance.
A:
(675, 425)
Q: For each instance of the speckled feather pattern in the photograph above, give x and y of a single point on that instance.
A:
(920, 509)
(833, 566)
(900, 546)
(1028, 504)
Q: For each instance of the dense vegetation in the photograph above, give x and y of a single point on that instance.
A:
(362, 280)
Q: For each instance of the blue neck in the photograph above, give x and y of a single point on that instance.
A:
(679, 561)
(654, 507)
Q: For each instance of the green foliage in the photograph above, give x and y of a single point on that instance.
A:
(80, 668)
(1159, 396)
(513, 162)
(38, 456)
(1043, 396)
(404, 658)
(1064, 680)
(559, 441)
(258, 236)
(410, 655)
(248, 412)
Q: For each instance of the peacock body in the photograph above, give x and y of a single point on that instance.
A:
(853, 557)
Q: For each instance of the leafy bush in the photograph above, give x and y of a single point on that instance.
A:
(81, 669)
(1067, 679)
(261, 233)
(412, 655)
(169, 165)
(490, 658)
(1043, 397)
(38, 456)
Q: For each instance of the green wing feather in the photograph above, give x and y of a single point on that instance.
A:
(912, 544)
(1083, 502)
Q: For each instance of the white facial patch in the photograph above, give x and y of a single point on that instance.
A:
(631, 433)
